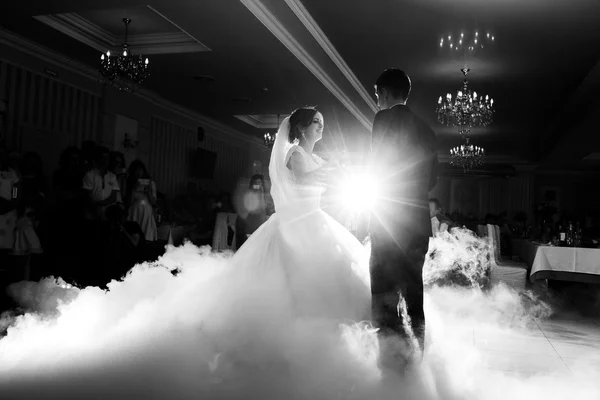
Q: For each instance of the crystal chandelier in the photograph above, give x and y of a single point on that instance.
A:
(468, 43)
(467, 156)
(467, 110)
(125, 70)
(270, 138)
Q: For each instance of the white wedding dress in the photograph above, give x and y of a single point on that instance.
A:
(317, 268)
(297, 292)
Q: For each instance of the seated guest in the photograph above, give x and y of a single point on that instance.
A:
(506, 234)
(439, 221)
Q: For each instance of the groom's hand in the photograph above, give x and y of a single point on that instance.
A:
(340, 159)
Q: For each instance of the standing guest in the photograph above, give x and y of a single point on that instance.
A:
(254, 212)
(101, 185)
(9, 197)
(33, 186)
(102, 192)
(140, 199)
(31, 210)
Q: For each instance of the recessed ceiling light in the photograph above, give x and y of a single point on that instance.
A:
(265, 89)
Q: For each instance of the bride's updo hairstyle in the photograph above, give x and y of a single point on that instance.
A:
(300, 119)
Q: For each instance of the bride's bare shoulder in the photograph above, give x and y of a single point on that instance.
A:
(295, 159)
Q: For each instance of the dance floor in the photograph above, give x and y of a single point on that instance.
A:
(563, 344)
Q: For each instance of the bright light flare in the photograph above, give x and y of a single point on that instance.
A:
(359, 192)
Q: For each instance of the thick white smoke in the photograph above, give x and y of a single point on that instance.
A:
(185, 335)
(458, 258)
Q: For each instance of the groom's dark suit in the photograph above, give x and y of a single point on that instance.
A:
(403, 151)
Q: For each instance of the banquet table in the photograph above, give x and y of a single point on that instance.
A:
(574, 264)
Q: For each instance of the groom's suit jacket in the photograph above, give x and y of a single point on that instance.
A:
(404, 155)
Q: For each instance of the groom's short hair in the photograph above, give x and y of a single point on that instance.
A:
(396, 81)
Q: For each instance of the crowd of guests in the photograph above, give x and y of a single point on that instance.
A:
(97, 216)
(441, 222)
(90, 223)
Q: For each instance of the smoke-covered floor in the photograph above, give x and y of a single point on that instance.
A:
(160, 335)
(563, 344)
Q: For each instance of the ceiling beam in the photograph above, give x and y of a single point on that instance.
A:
(260, 11)
(315, 30)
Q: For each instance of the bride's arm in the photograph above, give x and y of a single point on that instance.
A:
(297, 164)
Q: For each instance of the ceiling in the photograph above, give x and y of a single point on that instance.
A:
(282, 54)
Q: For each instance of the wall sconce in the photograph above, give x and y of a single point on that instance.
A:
(130, 144)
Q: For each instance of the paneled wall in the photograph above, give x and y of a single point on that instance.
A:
(171, 148)
(54, 112)
(45, 114)
(577, 192)
(478, 196)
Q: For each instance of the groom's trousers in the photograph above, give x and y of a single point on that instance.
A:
(397, 297)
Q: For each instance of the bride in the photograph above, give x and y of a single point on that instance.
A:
(301, 251)
(279, 319)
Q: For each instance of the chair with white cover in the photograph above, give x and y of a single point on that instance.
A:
(512, 273)
(224, 237)
(499, 258)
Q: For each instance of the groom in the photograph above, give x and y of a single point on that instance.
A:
(403, 150)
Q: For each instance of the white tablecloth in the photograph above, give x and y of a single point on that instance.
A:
(566, 264)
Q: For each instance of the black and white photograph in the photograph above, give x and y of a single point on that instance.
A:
(300, 199)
